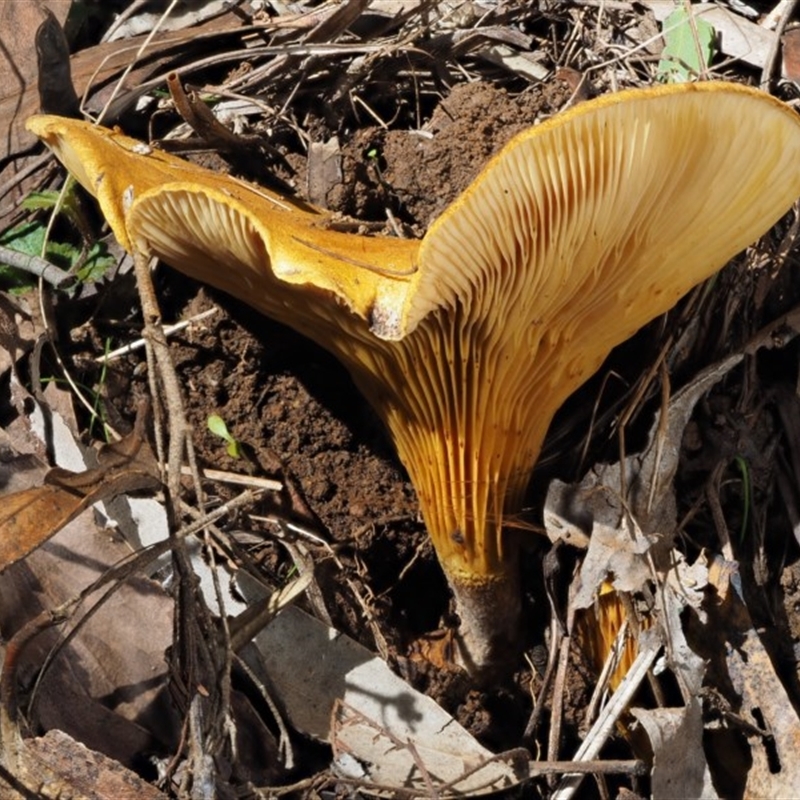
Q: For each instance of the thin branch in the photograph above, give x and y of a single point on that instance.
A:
(34, 265)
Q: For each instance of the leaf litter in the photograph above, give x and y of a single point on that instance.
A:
(413, 93)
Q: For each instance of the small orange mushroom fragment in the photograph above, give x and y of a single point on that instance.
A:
(579, 232)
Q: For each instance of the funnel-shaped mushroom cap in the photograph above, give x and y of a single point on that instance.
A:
(580, 231)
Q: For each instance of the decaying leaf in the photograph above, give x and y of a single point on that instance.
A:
(765, 704)
(20, 25)
(671, 600)
(573, 511)
(56, 767)
(383, 731)
(791, 55)
(617, 554)
(31, 517)
(680, 768)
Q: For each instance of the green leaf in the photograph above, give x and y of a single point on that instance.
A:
(233, 449)
(48, 200)
(96, 263)
(28, 238)
(689, 47)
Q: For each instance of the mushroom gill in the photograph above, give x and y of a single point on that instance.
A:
(576, 234)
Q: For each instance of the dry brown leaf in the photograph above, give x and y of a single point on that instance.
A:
(110, 697)
(324, 170)
(20, 26)
(30, 517)
(791, 55)
(617, 553)
(31, 41)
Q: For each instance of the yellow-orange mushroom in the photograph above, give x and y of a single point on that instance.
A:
(577, 233)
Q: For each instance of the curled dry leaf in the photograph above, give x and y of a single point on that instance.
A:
(617, 554)
(580, 231)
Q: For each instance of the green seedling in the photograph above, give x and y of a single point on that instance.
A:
(218, 427)
(374, 157)
(98, 413)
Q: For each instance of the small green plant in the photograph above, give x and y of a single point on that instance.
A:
(87, 261)
(87, 264)
(98, 412)
(218, 427)
(375, 161)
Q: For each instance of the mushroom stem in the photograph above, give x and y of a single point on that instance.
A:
(468, 439)
(489, 613)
